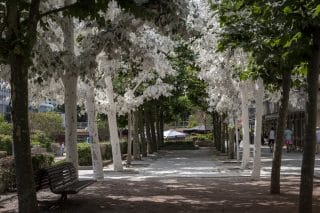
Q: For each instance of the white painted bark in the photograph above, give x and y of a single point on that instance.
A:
(237, 138)
(112, 119)
(129, 150)
(70, 80)
(237, 144)
(70, 101)
(245, 126)
(136, 144)
(258, 129)
(93, 134)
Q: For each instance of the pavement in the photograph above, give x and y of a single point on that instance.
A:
(200, 163)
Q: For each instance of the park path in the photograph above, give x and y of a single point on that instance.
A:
(200, 163)
(186, 181)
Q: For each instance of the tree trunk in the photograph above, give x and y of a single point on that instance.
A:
(215, 120)
(158, 126)
(21, 39)
(245, 126)
(237, 140)
(70, 100)
(148, 131)
(257, 131)
(112, 120)
(136, 143)
(129, 150)
(308, 160)
(219, 132)
(161, 127)
(93, 134)
(70, 80)
(223, 135)
(142, 135)
(231, 143)
(153, 142)
(276, 162)
(21, 138)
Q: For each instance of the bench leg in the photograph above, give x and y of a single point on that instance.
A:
(64, 197)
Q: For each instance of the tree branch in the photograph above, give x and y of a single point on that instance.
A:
(67, 7)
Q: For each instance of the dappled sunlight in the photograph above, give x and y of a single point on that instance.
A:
(187, 194)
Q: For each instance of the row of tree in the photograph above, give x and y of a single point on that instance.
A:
(256, 45)
(68, 41)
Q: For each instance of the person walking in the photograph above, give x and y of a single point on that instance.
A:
(272, 135)
(288, 139)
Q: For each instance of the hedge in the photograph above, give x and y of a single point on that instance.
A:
(6, 143)
(179, 145)
(84, 152)
(7, 169)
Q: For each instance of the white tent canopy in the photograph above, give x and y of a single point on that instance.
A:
(173, 134)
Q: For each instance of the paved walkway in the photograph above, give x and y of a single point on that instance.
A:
(200, 163)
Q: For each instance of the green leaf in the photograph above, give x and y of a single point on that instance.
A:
(316, 11)
(239, 4)
(287, 10)
(295, 38)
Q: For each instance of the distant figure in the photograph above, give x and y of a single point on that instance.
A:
(318, 140)
(288, 139)
(62, 149)
(272, 135)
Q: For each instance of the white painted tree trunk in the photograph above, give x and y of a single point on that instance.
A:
(70, 80)
(237, 137)
(70, 101)
(245, 127)
(258, 129)
(237, 144)
(112, 119)
(93, 134)
(129, 150)
(135, 134)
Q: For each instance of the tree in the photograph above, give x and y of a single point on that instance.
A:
(292, 32)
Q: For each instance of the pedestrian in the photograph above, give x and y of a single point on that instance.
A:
(62, 148)
(272, 135)
(288, 139)
(318, 140)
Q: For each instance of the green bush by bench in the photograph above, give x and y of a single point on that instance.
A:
(7, 169)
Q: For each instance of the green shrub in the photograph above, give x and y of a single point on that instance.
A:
(106, 152)
(42, 161)
(203, 137)
(124, 147)
(51, 123)
(6, 143)
(179, 145)
(5, 128)
(40, 138)
(7, 169)
(7, 174)
(84, 153)
(59, 162)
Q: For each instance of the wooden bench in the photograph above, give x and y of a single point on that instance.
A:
(61, 179)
